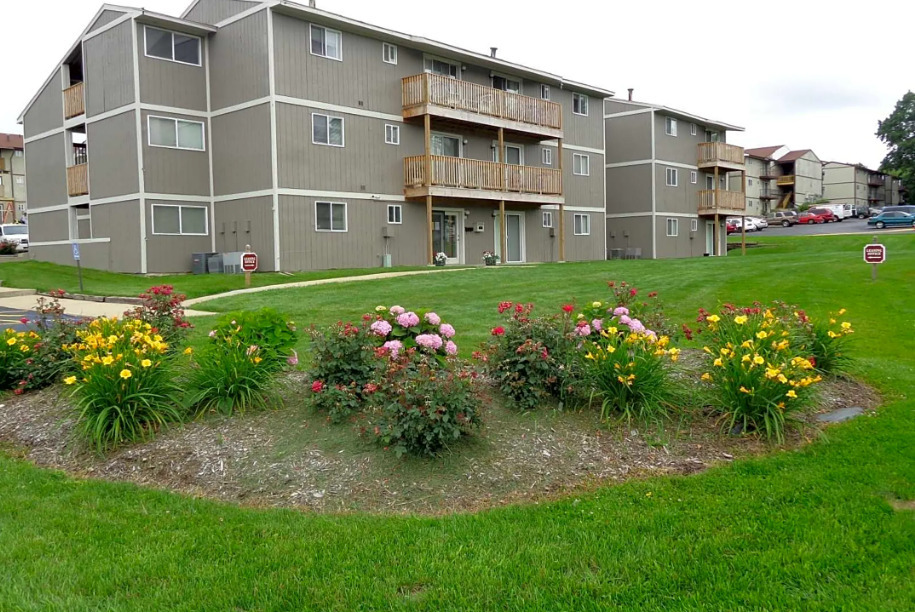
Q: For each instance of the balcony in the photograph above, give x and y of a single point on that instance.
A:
(785, 180)
(78, 180)
(74, 101)
(722, 202)
(721, 155)
(875, 181)
(477, 179)
(467, 102)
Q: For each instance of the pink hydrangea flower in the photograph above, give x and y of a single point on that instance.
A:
(584, 330)
(620, 310)
(393, 347)
(433, 319)
(597, 324)
(408, 319)
(636, 326)
(451, 348)
(447, 330)
(429, 341)
(625, 320)
(396, 309)
(381, 328)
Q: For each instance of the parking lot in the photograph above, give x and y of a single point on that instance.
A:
(847, 226)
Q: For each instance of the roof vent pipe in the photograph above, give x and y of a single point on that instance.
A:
(630, 93)
(492, 51)
(311, 3)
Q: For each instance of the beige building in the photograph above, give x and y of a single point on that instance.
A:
(13, 195)
(667, 181)
(319, 140)
(859, 185)
(782, 178)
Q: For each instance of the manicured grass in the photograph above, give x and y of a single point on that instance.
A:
(44, 276)
(810, 529)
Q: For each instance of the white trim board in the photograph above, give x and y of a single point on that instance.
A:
(678, 165)
(246, 13)
(324, 106)
(80, 241)
(555, 143)
(627, 113)
(625, 215)
(32, 139)
(625, 164)
(581, 209)
(240, 106)
(108, 26)
(310, 193)
(274, 152)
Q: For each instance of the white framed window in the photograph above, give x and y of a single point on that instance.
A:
(330, 216)
(544, 92)
(693, 225)
(750, 182)
(18, 153)
(673, 226)
(389, 53)
(174, 133)
(547, 219)
(670, 126)
(441, 67)
(581, 164)
(171, 46)
(391, 134)
(395, 213)
(582, 224)
(506, 84)
(1, 180)
(180, 220)
(327, 130)
(326, 42)
(20, 180)
(692, 129)
(693, 177)
(546, 156)
(672, 175)
(514, 154)
(579, 104)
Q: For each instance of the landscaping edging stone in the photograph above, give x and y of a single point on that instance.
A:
(90, 298)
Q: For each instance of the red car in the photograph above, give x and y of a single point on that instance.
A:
(827, 215)
(731, 228)
(808, 218)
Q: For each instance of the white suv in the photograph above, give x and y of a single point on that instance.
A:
(15, 233)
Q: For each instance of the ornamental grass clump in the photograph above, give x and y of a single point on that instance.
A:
(758, 375)
(123, 386)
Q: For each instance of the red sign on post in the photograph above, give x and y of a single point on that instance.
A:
(874, 254)
(249, 262)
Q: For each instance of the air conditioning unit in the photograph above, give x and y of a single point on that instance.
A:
(231, 262)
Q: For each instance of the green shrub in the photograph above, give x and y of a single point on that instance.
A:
(267, 330)
(8, 248)
(824, 342)
(338, 401)
(49, 359)
(162, 310)
(125, 386)
(341, 355)
(17, 349)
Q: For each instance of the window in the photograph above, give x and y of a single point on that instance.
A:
(506, 84)
(546, 156)
(582, 224)
(18, 153)
(670, 126)
(673, 226)
(330, 216)
(514, 154)
(579, 104)
(395, 213)
(750, 182)
(544, 92)
(391, 134)
(711, 136)
(692, 129)
(693, 177)
(175, 133)
(389, 53)
(179, 219)
(172, 46)
(440, 67)
(672, 177)
(20, 180)
(548, 219)
(693, 225)
(581, 164)
(1, 180)
(327, 130)
(443, 144)
(326, 42)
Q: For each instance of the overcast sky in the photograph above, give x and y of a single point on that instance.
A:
(806, 74)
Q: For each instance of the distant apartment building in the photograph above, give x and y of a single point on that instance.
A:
(780, 178)
(13, 196)
(667, 175)
(319, 140)
(859, 185)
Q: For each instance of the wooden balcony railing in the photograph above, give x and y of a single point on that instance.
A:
(463, 173)
(722, 201)
(74, 101)
(785, 180)
(441, 91)
(875, 181)
(78, 180)
(720, 154)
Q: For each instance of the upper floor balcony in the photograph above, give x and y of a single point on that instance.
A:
(722, 155)
(722, 202)
(78, 180)
(785, 180)
(453, 177)
(468, 102)
(875, 181)
(75, 101)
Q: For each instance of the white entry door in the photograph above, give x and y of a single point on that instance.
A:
(514, 238)
(447, 232)
(710, 237)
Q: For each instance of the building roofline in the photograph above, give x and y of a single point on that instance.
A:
(682, 114)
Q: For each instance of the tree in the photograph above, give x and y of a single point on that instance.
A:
(898, 133)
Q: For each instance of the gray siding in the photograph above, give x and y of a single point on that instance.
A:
(238, 62)
(681, 199)
(629, 189)
(50, 226)
(628, 138)
(540, 246)
(113, 152)
(47, 112)
(175, 171)
(583, 248)
(104, 19)
(108, 60)
(246, 222)
(630, 232)
(585, 131)
(47, 169)
(685, 244)
(581, 190)
(171, 83)
(241, 151)
(214, 11)
(121, 222)
(172, 253)
(682, 148)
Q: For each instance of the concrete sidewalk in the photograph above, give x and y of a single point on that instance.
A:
(24, 300)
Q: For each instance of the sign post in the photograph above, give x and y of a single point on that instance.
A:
(874, 254)
(79, 267)
(248, 264)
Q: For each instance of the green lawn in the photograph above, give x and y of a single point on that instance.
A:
(810, 529)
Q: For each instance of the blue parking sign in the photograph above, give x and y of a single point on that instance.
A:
(76, 251)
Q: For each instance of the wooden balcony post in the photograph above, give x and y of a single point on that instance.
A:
(502, 157)
(503, 234)
(562, 212)
(427, 181)
(716, 235)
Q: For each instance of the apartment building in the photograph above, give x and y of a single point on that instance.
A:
(319, 140)
(782, 178)
(667, 177)
(13, 195)
(859, 185)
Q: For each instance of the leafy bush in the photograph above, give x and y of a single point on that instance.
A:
(338, 401)
(16, 351)
(644, 306)
(265, 329)
(162, 310)
(396, 329)
(341, 355)
(825, 342)
(757, 373)
(125, 386)
(8, 248)
(50, 359)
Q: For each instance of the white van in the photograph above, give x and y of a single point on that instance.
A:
(841, 211)
(15, 233)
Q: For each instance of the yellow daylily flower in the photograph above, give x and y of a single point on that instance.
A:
(791, 394)
(762, 334)
(758, 359)
(146, 363)
(126, 374)
(596, 304)
(187, 351)
(70, 380)
(745, 390)
(713, 318)
(717, 362)
(706, 377)
(740, 320)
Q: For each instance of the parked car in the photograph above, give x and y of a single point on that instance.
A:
(827, 214)
(784, 218)
(760, 222)
(905, 208)
(841, 211)
(739, 222)
(15, 233)
(892, 218)
(731, 228)
(862, 212)
(809, 217)
(873, 211)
